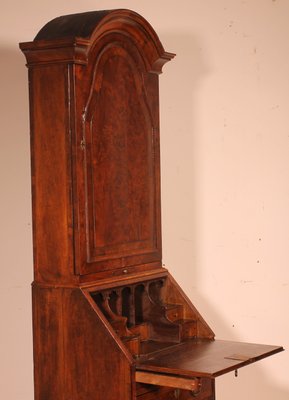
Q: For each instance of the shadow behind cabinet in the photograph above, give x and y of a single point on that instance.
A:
(109, 322)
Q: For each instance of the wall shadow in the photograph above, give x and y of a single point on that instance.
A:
(15, 228)
(180, 206)
(179, 154)
(15, 163)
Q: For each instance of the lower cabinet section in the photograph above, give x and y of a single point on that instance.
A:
(152, 392)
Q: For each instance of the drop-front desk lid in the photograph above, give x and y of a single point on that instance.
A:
(202, 358)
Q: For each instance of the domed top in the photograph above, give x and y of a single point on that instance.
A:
(73, 25)
(70, 38)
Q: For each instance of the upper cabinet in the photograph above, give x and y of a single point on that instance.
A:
(95, 135)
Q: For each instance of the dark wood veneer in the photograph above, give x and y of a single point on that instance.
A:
(109, 322)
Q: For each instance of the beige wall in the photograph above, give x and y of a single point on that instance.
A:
(225, 176)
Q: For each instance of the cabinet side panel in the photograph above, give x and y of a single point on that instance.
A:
(95, 365)
(51, 172)
(48, 344)
(75, 356)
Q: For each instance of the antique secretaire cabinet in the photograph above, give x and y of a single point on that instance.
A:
(109, 322)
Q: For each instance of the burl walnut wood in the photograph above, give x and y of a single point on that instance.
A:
(95, 146)
(109, 322)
